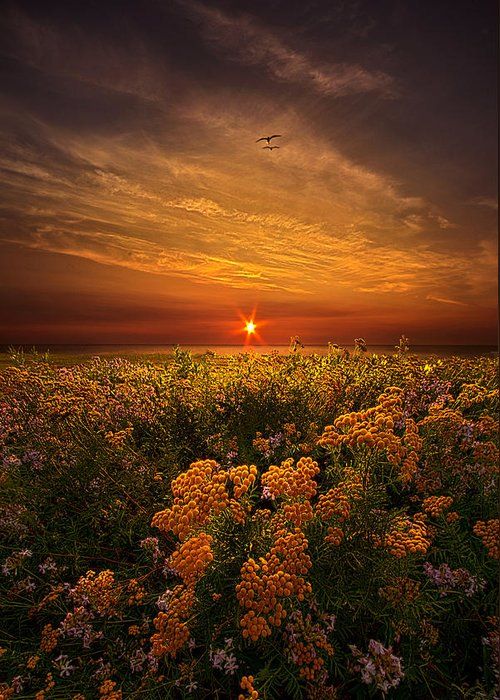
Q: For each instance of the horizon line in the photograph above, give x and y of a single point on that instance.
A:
(230, 345)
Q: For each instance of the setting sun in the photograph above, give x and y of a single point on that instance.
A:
(250, 328)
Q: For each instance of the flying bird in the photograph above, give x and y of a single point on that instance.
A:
(268, 138)
(271, 148)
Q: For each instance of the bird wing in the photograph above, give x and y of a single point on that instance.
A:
(264, 148)
(275, 136)
(264, 138)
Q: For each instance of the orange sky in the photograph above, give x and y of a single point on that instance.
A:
(137, 206)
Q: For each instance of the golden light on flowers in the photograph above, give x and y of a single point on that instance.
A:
(247, 559)
(279, 574)
(489, 532)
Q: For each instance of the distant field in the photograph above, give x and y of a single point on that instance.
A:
(65, 356)
(61, 359)
(313, 527)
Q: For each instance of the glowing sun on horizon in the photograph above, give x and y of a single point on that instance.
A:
(250, 327)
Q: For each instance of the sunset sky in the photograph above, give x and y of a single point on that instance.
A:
(136, 206)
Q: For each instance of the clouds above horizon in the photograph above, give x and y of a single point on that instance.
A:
(141, 159)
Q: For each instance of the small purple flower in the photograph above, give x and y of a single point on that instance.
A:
(63, 665)
(17, 684)
(14, 561)
(379, 666)
(224, 659)
(162, 602)
(266, 494)
(137, 660)
(447, 579)
(49, 565)
(151, 545)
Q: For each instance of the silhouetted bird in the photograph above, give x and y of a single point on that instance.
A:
(268, 138)
(269, 147)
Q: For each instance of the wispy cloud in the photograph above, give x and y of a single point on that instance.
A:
(125, 66)
(244, 39)
(488, 202)
(443, 300)
(306, 225)
(424, 220)
(143, 256)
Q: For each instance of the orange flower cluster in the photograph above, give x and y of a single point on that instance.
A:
(49, 598)
(337, 502)
(100, 590)
(487, 425)
(373, 428)
(262, 516)
(486, 454)
(119, 438)
(261, 444)
(333, 504)
(135, 591)
(292, 480)
(407, 537)
(192, 558)
(443, 419)
(198, 493)
(334, 536)
(304, 641)
(49, 684)
(107, 691)
(413, 444)
(471, 394)
(49, 638)
(243, 477)
(32, 662)
(172, 631)
(239, 511)
(489, 532)
(201, 492)
(435, 505)
(452, 517)
(429, 480)
(246, 684)
(298, 512)
(403, 591)
(277, 575)
(309, 662)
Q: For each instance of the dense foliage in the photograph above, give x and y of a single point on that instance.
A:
(249, 526)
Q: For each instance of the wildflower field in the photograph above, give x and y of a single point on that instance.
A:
(253, 527)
